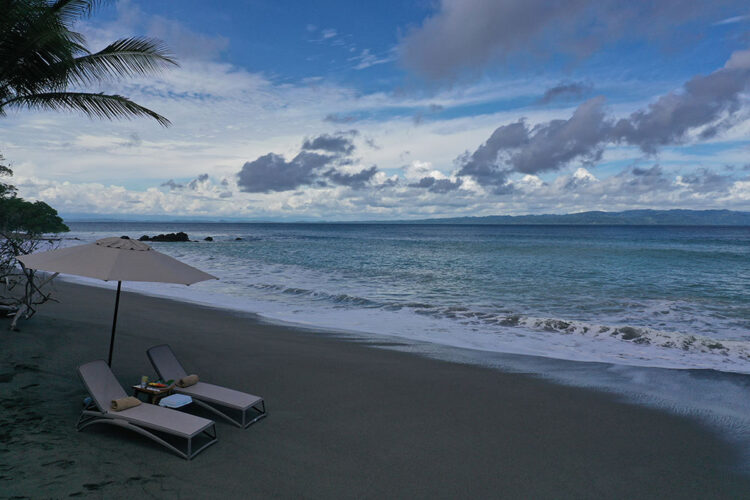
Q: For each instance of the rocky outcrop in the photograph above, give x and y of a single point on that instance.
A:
(166, 237)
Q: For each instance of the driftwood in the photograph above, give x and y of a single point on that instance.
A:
(19, 313)
(21, 290)
(34, 296)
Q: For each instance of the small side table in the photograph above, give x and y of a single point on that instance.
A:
(154, 394)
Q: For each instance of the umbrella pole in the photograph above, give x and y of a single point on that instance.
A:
(114, 323)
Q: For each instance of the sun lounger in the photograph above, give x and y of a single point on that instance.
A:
(251, 408)
(145, 419)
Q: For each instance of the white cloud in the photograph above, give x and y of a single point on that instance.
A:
(366, 59)
(418, 169)
(225, 116)
(389, 197)
(183, 42)
(328, 33)
(732, 20)
(581, 174)
(472, 35)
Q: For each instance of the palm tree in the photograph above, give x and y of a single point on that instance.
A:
(43, 62)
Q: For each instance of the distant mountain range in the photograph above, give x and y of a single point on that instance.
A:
(626, 218)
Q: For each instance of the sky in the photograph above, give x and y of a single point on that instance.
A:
(333, 110)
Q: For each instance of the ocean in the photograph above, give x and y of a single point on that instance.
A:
(670, 297)
(656, 316)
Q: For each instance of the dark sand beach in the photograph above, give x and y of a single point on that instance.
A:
(346, 419)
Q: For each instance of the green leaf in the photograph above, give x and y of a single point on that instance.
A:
(19, 215)
(124, 58)
(42, 58)
(93, 105)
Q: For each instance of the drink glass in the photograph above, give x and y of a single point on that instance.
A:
(144, 381)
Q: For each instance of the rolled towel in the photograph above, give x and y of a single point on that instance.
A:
(124, 403)
(187, 381)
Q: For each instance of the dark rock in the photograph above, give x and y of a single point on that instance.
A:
(208, 238)
(238, 239)
(552, 325)
(511, 320)
(629, 333)
(166, 237)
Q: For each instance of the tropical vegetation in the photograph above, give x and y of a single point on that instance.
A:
(22, 226)
(45, 63)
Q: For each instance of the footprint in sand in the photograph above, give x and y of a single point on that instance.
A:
(96, 486)
(63, 464)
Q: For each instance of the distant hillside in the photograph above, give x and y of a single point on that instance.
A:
(626, 218)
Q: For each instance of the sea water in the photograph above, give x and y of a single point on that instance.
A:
(675, 297)
(659, 316)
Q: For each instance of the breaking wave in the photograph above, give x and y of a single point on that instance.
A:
(628, 296)
(727, 354)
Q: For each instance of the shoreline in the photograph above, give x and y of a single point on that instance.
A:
(346, 418)
(609, 354)
(714, 398)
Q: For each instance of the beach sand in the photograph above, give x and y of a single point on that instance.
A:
(346, 419)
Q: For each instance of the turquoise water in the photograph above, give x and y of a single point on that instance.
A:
(647, 296)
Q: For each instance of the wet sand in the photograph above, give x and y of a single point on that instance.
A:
(346, 419)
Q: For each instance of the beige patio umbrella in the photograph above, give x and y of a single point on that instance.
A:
(116, 259)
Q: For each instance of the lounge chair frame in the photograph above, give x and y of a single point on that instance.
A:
(93, 414)
(259, 409)
(248, 415)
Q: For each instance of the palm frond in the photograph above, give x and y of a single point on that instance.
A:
(32, 41)
(123, 58)
(70, 10)
(93, 105)
(41, 57)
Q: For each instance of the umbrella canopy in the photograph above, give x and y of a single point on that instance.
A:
(116, 259)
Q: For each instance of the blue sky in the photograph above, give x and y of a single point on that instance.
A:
(293, 41)
(389, 110)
